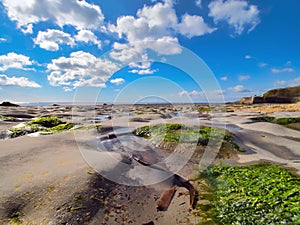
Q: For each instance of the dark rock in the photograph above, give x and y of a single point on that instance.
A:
(150, 223)
(112, 136)
(23, 116)
(3, 135)
(138, 119)
(8, 104)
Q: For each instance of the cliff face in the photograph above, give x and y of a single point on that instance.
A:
(291, 92)
(282, 95)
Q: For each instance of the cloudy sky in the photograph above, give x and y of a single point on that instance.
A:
(119, 51)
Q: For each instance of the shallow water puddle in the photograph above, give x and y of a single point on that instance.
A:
(131, 160)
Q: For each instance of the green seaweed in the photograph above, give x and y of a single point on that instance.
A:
(20, 131)
(15, 219)
(143, 131)
(179, 133)
(94, 126)
(17, 132)
(72, 209)
(8, 118)
(257, 194)
(47, 121)
(292, 123)
(229, 139)
(203, 109)
(62, 127)
(49, 124)
(281, 121)
(269, 119)
(287, 121)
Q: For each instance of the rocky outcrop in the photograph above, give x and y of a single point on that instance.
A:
(282, 95)
(8, 104)
(246, 100)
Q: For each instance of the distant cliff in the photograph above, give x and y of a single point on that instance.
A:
(8, 104)
(281, 95)
(290, 92)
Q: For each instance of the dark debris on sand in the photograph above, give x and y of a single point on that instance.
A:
(84, 205)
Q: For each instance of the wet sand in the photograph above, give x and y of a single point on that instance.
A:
(50, 179)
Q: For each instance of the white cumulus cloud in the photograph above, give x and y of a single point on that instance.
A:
(244, 77)
(136, 52)
(192, 93)
(14, 60)
(159, 18)
(155, 27)
(80, 14)
(126, 53)
(224, 78)
(51, 39)
(198, 3)
(211, 95)
(280, 83)
(17, 81)
(80, 69)
(182, 93)
(117, 81)
(143, 67)
(293, 82)
(239, 88)
(191, 26)
(262, 64)
(195, 93)
(28, 29)
(143, 71)
(158, 21)
(87, 36)
(166, 45)
(67, 89)
(284, 70)
(237, 13)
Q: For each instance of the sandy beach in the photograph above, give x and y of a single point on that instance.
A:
(81, 176)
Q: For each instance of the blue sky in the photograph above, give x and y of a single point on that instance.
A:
(120, 51)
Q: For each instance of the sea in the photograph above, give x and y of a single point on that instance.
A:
(55, 103)
(96, 103)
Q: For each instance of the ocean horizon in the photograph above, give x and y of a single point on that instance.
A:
(102, 103)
